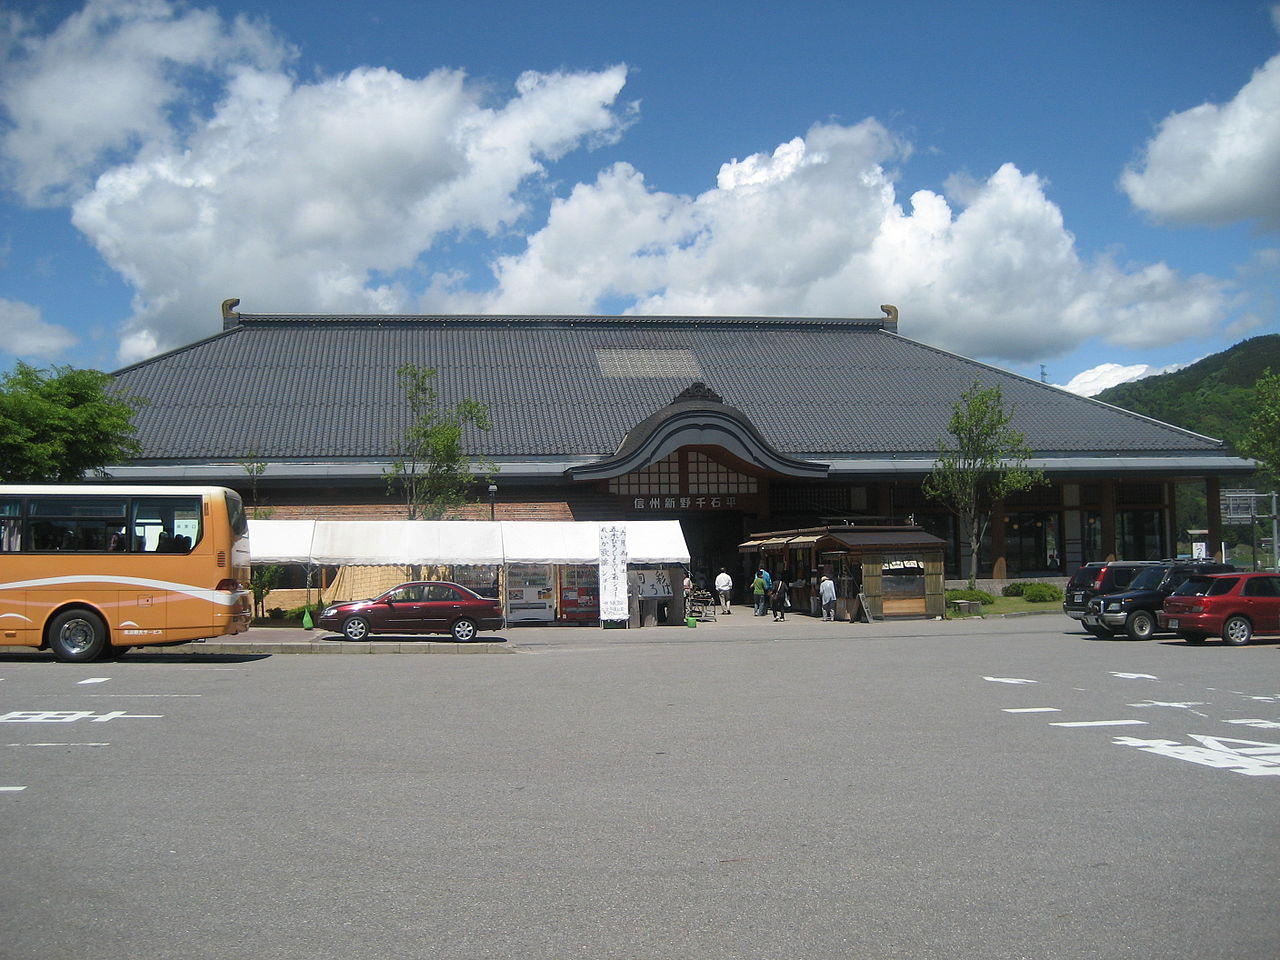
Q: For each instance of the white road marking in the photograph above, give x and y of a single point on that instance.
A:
(99, 744)
(1260, 724)
(1099, 723)
(144, 694)
(1032, 710)
(1009, 680)
(68, 716)
(11, 789)
(1252, 758)
(1134, 676)
(96, 680)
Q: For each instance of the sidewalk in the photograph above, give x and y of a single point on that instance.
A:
(739, 626)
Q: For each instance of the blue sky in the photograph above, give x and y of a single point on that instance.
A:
(1090, 186)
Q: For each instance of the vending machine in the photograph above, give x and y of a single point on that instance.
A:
(531, 595)
(579, 594)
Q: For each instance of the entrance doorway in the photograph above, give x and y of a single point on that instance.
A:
(713, 543)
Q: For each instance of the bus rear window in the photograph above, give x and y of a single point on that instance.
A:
(236, 515)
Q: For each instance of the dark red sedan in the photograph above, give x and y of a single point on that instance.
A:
(1233, 606)
(431, 606)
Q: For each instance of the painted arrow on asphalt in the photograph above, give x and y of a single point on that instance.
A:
(1009, 680)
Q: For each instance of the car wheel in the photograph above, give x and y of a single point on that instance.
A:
(1237, 631)
(463, 630)
(357, 628)
(77, 636)
(1192, 637)
(1141, 625)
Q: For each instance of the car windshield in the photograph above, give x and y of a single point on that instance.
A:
(1148, 579)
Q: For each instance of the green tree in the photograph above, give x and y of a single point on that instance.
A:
(262, 580)
(986, 463)
(1262, 438)
(59, 424)
(431, 470)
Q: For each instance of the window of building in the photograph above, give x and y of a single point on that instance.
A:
(705, 476)
(1032, 542)
(1139, 534)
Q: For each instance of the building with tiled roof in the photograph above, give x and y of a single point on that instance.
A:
(730, 424)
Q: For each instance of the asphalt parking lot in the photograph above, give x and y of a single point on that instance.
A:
(985, 790)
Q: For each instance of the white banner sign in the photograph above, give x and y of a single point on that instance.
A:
(613, 572)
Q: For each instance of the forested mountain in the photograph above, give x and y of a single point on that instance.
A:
(1213, 396)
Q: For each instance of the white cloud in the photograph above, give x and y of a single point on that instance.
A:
(211, 172)
(814, 228)
(111, 79)
(24, 333)
(1093, 381)
(292, 195)
(1216, 163)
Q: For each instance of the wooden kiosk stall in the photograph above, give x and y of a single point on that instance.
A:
(882, 571)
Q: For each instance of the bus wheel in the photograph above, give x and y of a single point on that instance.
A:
(77, 636)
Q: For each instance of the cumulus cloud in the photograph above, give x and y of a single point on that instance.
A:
(297, 195)
(1093, 381)
(1216, 163)
(201, 168)
(815, 228)
(111, 79)
(24, 332)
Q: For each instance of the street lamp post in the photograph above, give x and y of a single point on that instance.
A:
(493, 500)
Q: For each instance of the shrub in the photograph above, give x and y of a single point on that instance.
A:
(275, 613)
(1041, 593)
(1013, 589)
(981, 596)
(297, 612)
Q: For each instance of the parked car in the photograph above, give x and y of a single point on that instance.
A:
(1097, 577)
(431, 606)
(1135, 610)
(1232, 606)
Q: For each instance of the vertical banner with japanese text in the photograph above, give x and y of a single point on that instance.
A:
(613, 572)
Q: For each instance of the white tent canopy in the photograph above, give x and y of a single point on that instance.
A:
(379, 542)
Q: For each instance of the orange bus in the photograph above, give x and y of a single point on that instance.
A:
(89, 570)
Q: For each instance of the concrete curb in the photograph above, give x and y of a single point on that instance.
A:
(269, 641)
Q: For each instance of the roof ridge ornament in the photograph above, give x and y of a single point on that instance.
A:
(890, 321)
(698, 391)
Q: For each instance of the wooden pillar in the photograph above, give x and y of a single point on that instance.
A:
(999, 550)
(1213, 501)
(1108, 509)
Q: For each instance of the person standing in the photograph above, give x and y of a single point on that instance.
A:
(780, 599)
(827, 591)
(758, 593)
(724, 586)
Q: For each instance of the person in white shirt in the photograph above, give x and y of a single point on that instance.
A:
(724, 585)
(827, 591)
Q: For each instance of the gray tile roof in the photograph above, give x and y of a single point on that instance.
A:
(324, 387)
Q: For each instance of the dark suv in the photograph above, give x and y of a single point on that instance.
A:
(1133, 611)
(1098, 577)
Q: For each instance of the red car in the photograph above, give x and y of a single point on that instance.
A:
(1233, 606)
(431, 606)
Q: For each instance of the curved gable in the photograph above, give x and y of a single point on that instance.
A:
(697, 417)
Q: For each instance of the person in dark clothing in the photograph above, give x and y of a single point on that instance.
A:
(780, 599)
